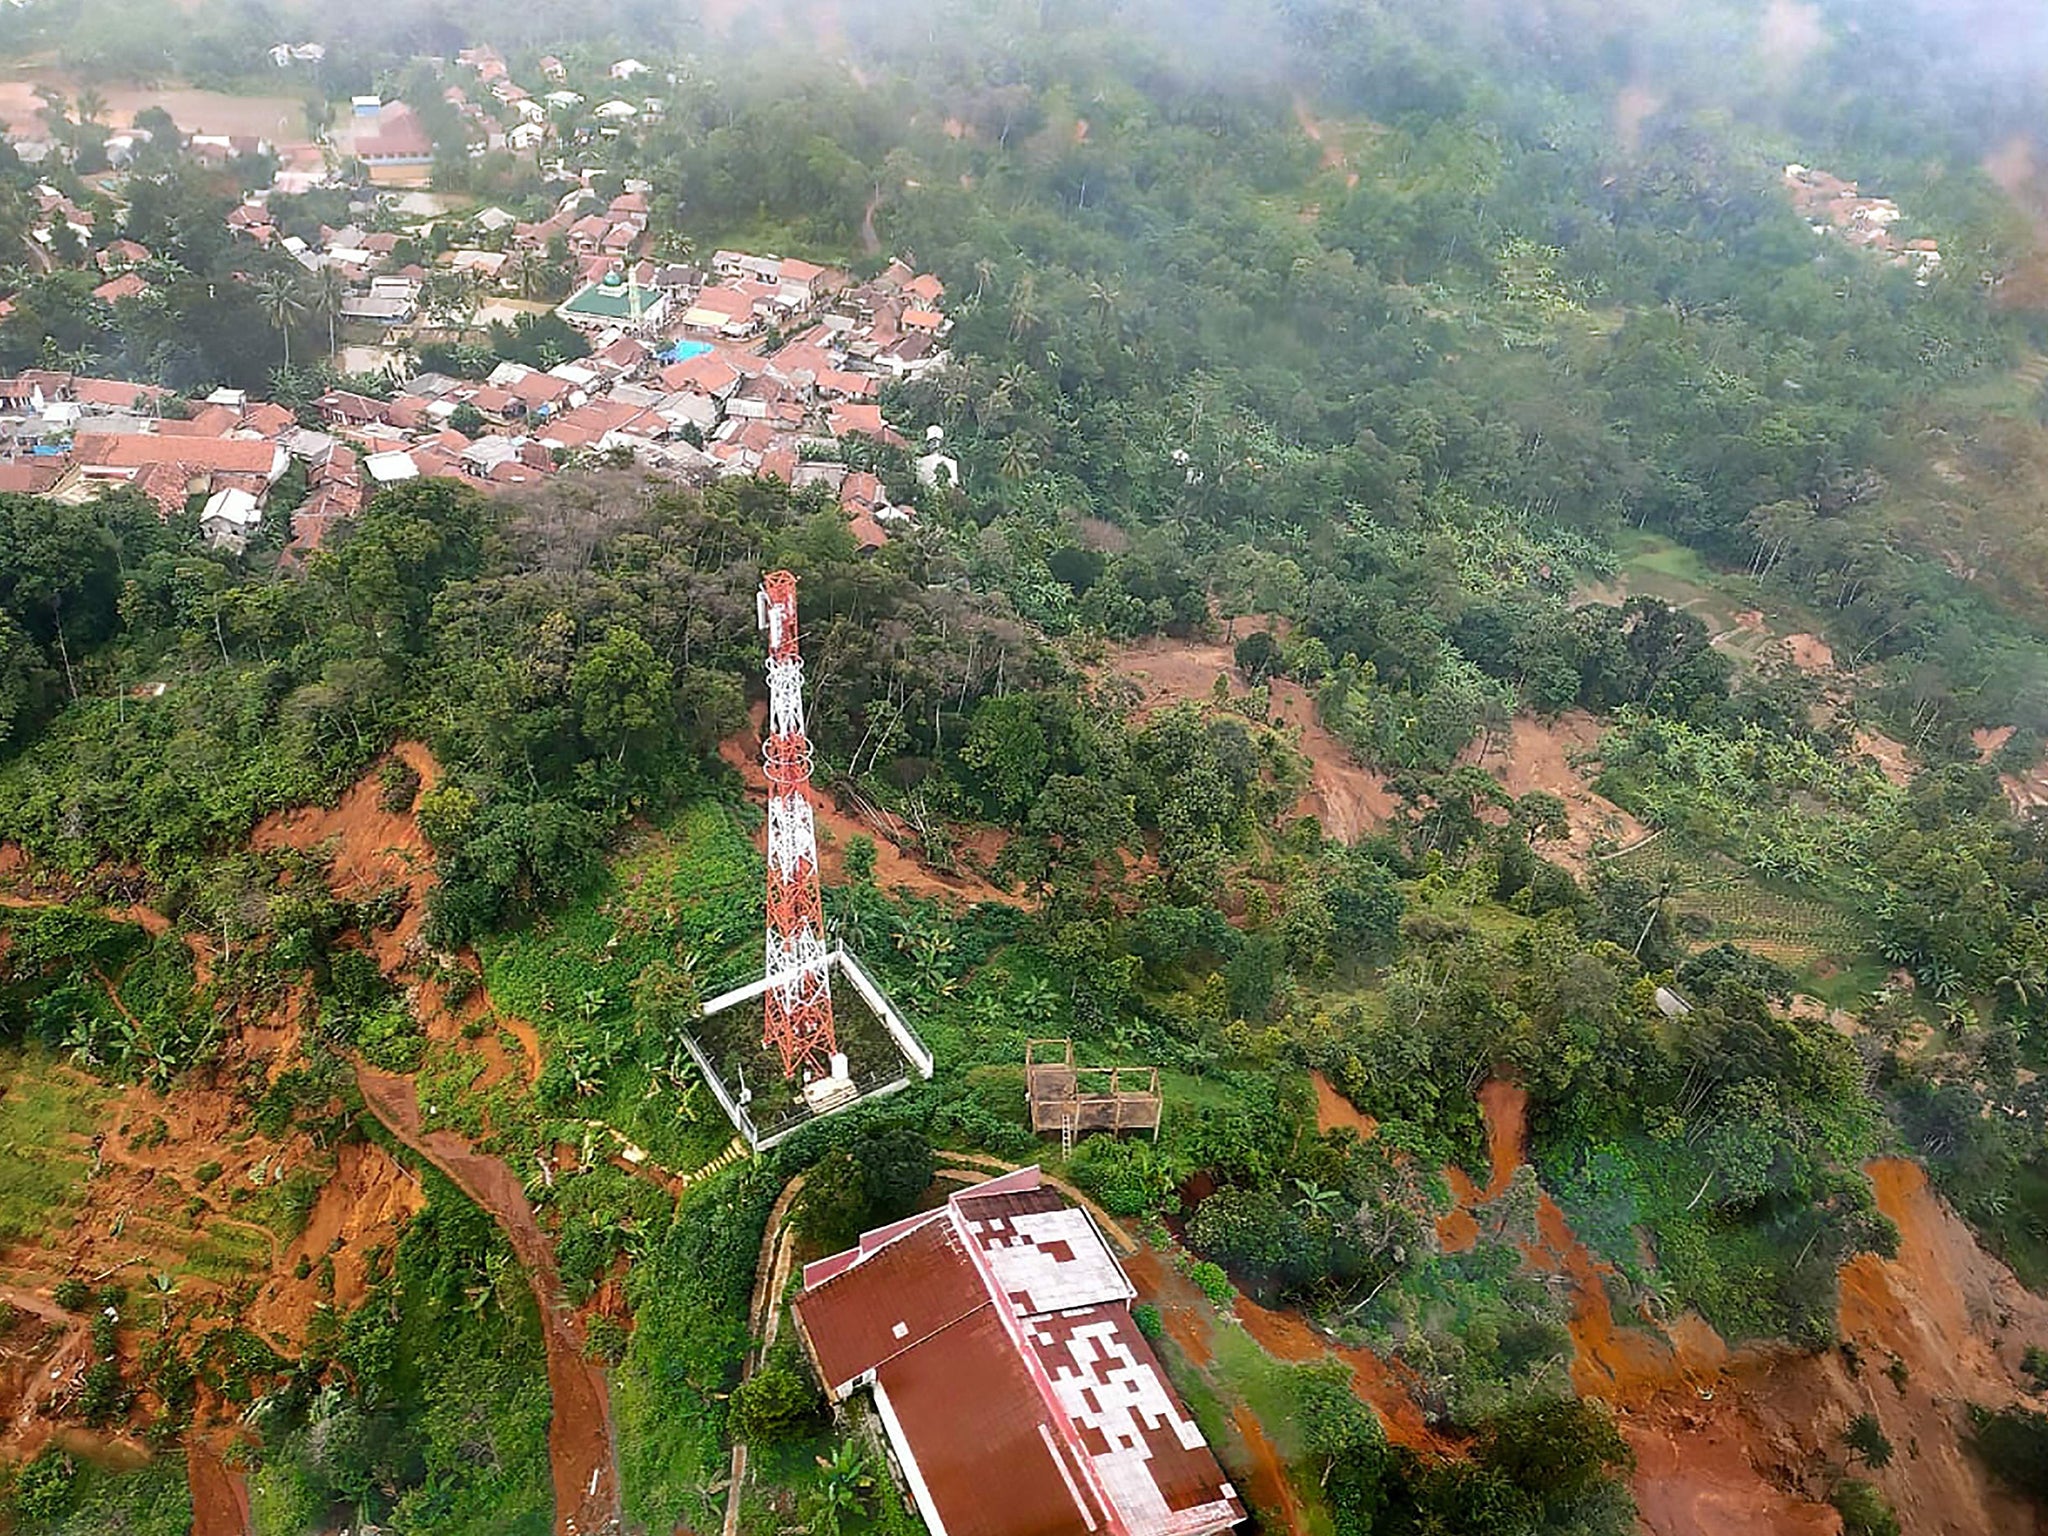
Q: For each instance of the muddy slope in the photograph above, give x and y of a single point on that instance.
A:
(1751, 1440)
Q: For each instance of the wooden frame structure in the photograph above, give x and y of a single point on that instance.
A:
(1076, 1100)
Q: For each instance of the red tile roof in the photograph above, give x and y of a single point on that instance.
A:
(866, 420)
(542, 389)
(706, 374)
(867, 533)
(118, 393)
(31, 476)
(339, 405)
(129, 285)
(207, 421)
(168, 485)
(269, 418)
(134, 450)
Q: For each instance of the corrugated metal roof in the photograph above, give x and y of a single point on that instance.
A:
(983, 1445)
(1019, 1394)
(897, 1296)
(1142, 1444)
(1045, 1254)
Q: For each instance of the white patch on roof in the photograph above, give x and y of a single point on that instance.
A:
(1102, 1388)
(391, 465)
(1048, 1261)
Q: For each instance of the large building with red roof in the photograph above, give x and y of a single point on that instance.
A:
(1018, 1395)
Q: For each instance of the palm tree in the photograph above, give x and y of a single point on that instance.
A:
(330, 290)
(278, 297)
(1024, 317)
(54, 112)
(1107, 303)
(1018, 458)
(90, 106)
(529, 275)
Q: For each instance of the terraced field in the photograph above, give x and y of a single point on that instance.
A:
(1796, 930)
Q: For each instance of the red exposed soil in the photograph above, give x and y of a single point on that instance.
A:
(1810, 653)
(1332, 157)
(43, 1355)
(145, 1210)
(1386, 1384)
(1891, 757)
(1634, 105)
(1269, 1491)
(1745, 1441)
(1606, 1357)
(1702, 1477)
(1334, 1112)
(2016, 169)
(1457, 1230)
(1180, 1304)
(373, 849)
(1989, 742)
(133, 1218)
(220, 1496)
(1505, 1109)
(1346, 797)
(895, 868)
(580, 1442)
(1749, 1441)
(1539, 756)
(2026, 791)
(148, 919)
(363, 1207)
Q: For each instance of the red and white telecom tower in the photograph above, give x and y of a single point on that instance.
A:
(798, 1017)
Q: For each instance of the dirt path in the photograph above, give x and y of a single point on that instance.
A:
(1270, 1493)
(148, 919)
(870, 241)
(582, 1449)
(220, 1496)
(764, 1317)
(374, 848)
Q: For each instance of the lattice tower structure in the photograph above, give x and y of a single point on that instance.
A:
(798, 1017)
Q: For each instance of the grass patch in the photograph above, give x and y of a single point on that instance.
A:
(688, 894)
(48, 1114)
(225, 1254)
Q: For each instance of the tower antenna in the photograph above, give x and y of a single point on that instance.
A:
(797, 1019)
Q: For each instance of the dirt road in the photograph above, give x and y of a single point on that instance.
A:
(582, 1447)
(220, 1495)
